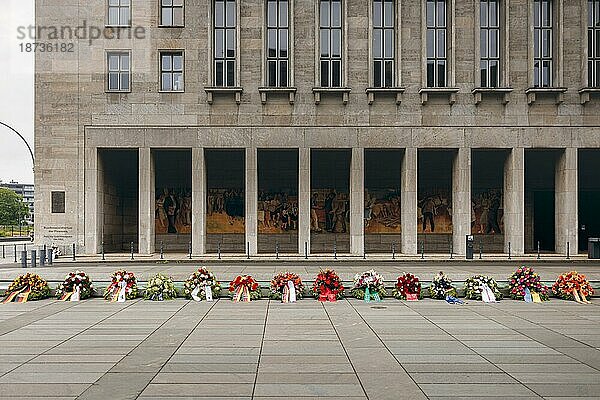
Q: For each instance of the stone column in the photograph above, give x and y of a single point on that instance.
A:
(251, 221)
(146, 201)
(408, 196)
(93, 202)
(198, 202)
(566, 195)
(303, 199)
(461, 199)
(514, 201)
(357, 201)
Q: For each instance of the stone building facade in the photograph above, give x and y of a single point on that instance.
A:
(103, 156)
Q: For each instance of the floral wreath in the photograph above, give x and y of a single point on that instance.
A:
(131, 290)
(473, 287)
(368, 280)
(407, 284)
(526, 278)
(160, 287)
(280, 281)
(201, 278)
(244, 288)
(569, 283)
(441, 286)
(328, 283)
(73, 280)
(27, 287)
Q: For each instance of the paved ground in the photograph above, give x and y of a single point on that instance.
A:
(269, 350)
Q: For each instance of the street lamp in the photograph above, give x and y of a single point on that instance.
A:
(23, 139)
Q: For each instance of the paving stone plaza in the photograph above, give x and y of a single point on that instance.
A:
(305, 350)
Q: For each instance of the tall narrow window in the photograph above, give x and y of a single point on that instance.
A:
(489, 43)
(593, 43)
(277, 43)
(171, 71)
(171, 12)
(542, 43)
(383, 43)
(119, 71)
(437, 60)
(225, 21)
(119, 12)
(330, 33)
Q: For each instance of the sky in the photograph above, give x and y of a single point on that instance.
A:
(16, 92)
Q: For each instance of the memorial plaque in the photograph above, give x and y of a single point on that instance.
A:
(58, 202)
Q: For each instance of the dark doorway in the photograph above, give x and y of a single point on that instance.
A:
(543, 220)
(589, 196)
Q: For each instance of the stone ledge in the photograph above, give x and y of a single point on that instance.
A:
(344, 91)
(450, 92)
(478, 93)
(235, 90)
(266, 90)
(557, 92)
(396, 91)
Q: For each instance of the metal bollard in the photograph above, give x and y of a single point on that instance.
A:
(102, 250)
(24, 259)
(335, 250)
(276, 250)
(306, 250)
(3, 254)
(45, 252)
(50, 255)
(42, 258)
(73, 251)
(15, 252)
(162, 249)
(33, 258)
(190, 249)
(219, 249)
(393, 250)
(538, 250)
(480, 249)
(451, 250)
(509, 251)
(422, 250)
(568, 250)
(248, 250)
(131, 250)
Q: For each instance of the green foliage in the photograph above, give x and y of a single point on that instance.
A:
(12, 207)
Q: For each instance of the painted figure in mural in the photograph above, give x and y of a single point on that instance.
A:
(339, 218)
(492, 215)
(159, 210)
(314, 219)
(428, 211)
(171, 207)
(329, 212)
(369, 202)
(185, 213)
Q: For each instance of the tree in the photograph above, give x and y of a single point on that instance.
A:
(12, 208)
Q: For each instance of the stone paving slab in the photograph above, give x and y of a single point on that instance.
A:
(308, 350)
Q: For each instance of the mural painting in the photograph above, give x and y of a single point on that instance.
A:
(382, 211)
(277, 212)
(487, 214)
(434, 212)
(225, 211)
(173, 211)
(329, 211)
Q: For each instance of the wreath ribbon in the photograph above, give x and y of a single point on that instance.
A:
(371, 296)
(18, 295)
(242, 294)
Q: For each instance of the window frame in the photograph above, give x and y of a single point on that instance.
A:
(120, 52)
(556, 48)
(486, 28)
(395, 59)
(119, 6)
(594, 59)
(172, 53)
(343, 59)
(450, 47)
(172, 7)
(278, 59)
(211, 38)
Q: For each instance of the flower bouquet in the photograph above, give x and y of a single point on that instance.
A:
(123, 286)
(159, 288)
(328, 286)
(287, 287)
(202, 285)
(407, 287)
(244, 288)
(525, 283)
(76, 286)
(368, 286)
(573, 286)
(27, 287)
(481, 287)
(441, 287)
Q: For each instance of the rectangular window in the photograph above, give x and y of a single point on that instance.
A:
(383, 43)
(119, 12)
(171, 71)
(489, 43)
(277, 43)
(437, 59)
(119, 71)
(330, 36)
(225, 44)
(593, 43)
(171, 12)
(542, 43)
